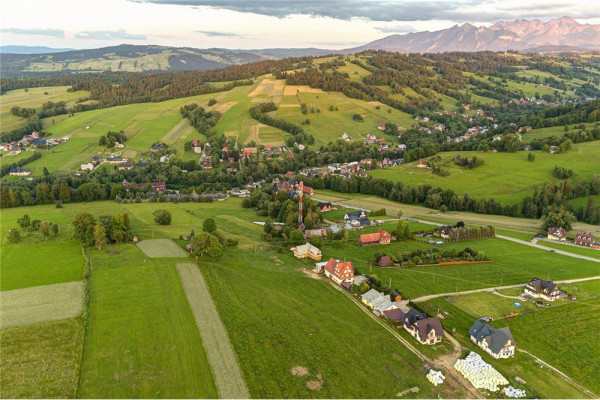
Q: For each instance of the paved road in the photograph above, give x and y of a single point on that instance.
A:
(492, 289)
(539, 246)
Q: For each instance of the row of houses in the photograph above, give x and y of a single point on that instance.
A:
(19, 171)
(31, 142)
(358, 168)
(585, 239)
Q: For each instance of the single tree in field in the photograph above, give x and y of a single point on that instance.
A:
(209, 225)
(162, 217)
(24, 221)
(99, 236)
(45, 228)
(206, 244)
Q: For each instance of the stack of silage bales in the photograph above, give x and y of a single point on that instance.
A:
(481, 374)
(435, 377)
(514, 393)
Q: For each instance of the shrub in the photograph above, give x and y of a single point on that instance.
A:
(162, 217)
(13, 235)
(209, 225)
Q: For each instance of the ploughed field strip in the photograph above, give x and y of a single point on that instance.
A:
(161, 248)
(41, 304)
(221, 357)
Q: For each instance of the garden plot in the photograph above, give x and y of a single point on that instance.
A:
(161, 248)
(41, 304)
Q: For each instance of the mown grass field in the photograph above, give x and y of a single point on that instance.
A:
(41, 304)
(41, 360)
(496, 178)
(34, 98)
(40, 264)
(141, 339)
(542, 133)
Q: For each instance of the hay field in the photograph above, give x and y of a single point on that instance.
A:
(290, 90)
(161, 248)
(221, 357)
(41, 360)
(41, 304)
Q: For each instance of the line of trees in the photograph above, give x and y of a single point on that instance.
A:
(471, 233)
(259, 113)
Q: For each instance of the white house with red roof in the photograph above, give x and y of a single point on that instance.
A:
(339, 271)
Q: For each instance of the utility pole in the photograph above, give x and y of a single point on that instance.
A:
(300, 193)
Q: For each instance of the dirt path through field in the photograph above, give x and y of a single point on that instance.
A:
(219, 352)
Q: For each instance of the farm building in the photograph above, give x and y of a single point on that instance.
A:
(542, 289)
(498, 343)
(339, 271)
(307, 251)
(426, 330)
(584, 239)
(379, 237)
(557, 234)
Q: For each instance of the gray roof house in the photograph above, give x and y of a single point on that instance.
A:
(498, 343)
(369, 297)
(382, 304)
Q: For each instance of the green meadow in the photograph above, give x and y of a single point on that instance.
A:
(506, 177)
(34, 98)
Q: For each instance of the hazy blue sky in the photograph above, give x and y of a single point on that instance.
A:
(249, 24)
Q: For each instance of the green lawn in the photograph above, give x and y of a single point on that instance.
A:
(496, 178)
(542, 133)
(40, 264)
(489, 305)
(141, 339)
(560, 336)
(34, 98)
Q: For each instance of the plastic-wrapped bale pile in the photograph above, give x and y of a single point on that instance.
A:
(435, 377)
(481, 374)
(514, 393)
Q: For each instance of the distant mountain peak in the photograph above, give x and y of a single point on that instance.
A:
(520, 34)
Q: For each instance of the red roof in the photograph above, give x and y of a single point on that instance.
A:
(340, 269)
(159, 186)
(374, 237)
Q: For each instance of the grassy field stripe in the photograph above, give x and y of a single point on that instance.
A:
(221, 357)
(41, 304)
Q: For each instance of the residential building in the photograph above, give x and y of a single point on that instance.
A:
(426, 330)
(542, 289)
(307, 251)
(369, 297)
(324, 207)
(498, 343)
(422, 163)
(19, 171)
(557, 234)
(159, 186)
(87, 167)
(377, 238)
(357, 218)
(584, 239)
(339, 271)
(319, 232)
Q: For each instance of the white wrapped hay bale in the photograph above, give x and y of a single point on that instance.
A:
(481, 374)
(435, 377)
(514, 393)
